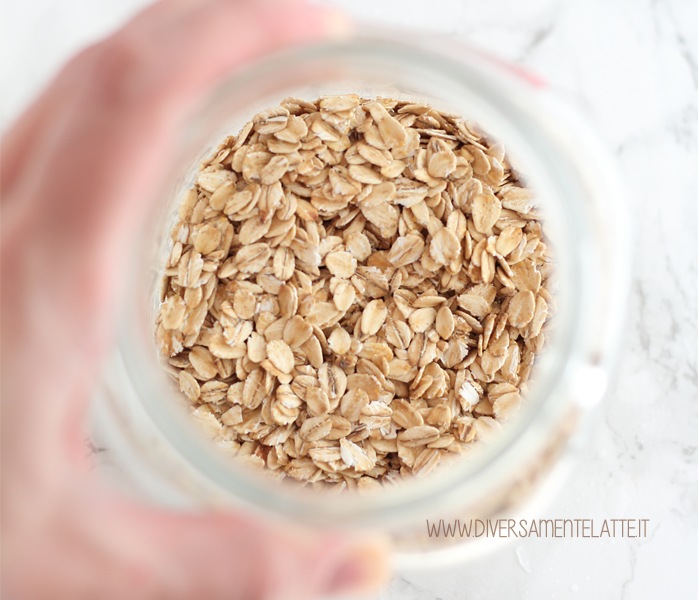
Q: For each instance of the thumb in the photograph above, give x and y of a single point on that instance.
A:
(232, 556)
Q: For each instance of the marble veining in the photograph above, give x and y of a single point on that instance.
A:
(631, 67)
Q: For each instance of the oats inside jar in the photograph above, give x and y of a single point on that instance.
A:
(356, 291)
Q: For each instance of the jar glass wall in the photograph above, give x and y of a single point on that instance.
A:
(143, 421)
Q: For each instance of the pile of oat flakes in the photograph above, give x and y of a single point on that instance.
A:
(355, 292)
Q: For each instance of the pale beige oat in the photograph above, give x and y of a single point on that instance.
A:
(356, 291)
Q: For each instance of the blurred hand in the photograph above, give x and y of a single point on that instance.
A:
(78, 170)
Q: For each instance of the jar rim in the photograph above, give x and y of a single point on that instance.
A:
(514, 106)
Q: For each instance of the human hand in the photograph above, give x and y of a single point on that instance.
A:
(78, 171)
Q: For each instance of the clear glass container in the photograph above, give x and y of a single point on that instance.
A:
(142, 421)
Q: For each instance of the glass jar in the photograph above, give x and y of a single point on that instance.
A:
(141, 420)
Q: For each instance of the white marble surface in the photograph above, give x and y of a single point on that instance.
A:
(631, 67)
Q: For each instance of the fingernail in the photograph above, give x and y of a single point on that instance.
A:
(348, 576)
(363, 569)
(337, 25)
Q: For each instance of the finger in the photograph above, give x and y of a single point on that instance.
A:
(122, 551)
